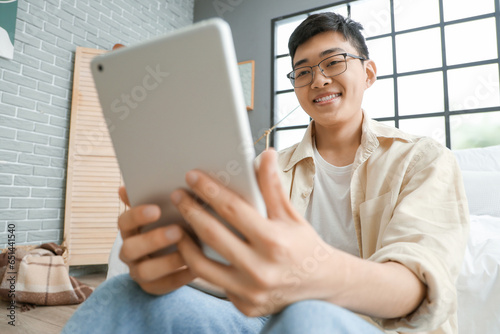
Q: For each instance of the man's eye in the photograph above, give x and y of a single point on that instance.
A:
(333, 63)
(301, 73)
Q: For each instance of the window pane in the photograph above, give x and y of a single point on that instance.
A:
(421, 94)
(458, 9)
(342, 10)
(284, 29)
(283, 67)
(473, 87)
(410, 47)
(475, 130)
(414, 14)
(285, 103)
(378, 100)
(478, 47)
(381, 53)
(374, 15)
(428, 126)
(287, 138)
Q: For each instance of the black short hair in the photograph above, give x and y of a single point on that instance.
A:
(318, 23)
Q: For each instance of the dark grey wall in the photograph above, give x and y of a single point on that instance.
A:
(250, 21)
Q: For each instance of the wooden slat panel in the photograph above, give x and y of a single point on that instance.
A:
(111, 224)
(95, 223)
(97, 211)
(87, 166)
(79, 260)
(93, 179)
(95, 235)
(91, 199)
(99, 249)
(98, 163)
(92, 202)
(84, 234)
(108, 223)
(84, 215)
(89, 194)
(97, 190)
(78, 242)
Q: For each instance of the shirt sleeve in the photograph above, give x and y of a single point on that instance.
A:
(428, 234)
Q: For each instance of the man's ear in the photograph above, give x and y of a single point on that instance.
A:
(371, 72)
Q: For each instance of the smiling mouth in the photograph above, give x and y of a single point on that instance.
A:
(327, 98)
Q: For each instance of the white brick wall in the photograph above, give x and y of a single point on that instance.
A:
(35, 98)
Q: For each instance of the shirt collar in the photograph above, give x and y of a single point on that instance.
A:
(371, 132)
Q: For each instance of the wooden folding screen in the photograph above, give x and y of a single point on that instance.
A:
(93, 176)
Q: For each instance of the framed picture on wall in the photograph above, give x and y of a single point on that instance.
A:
(8, 14)
(247, 75)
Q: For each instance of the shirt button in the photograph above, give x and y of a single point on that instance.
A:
(305, 194)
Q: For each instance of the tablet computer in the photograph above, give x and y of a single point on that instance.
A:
(175, 103)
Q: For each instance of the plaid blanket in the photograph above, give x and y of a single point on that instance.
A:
(39, 276)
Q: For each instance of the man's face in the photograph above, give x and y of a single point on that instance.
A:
(334, 101)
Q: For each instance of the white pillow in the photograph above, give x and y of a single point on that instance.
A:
(478, 284)
(483, 192)
(485, 158)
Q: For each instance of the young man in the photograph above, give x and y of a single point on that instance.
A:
(362, 218)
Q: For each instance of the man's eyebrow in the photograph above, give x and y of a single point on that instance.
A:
(322, 54)
(300, 62)
(330, 51)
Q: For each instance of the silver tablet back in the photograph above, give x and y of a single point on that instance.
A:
(173, 104)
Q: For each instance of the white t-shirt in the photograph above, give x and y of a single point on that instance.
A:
(329, 210)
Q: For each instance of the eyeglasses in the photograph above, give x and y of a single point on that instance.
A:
(329, 67)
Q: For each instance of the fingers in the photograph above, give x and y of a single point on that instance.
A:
(168, 283)
(131, 220)
(158, 275)
(152, 269)
(209, 229)
(227, 204)
(201, 266)
(138, 246)
(277, 201)
(123, 196)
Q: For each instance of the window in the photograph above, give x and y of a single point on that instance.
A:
(438, 69)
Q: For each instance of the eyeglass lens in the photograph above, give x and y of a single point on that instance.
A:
(330, 67)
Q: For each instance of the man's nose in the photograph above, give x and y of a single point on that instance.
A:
(319, 80)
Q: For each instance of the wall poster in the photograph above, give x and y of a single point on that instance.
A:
(8, 14)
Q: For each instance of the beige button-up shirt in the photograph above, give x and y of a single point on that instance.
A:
(408, 205)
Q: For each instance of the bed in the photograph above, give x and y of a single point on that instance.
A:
(478, 284)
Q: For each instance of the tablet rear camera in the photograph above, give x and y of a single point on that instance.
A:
(100, 67)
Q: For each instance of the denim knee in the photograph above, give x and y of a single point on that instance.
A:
(99, 312)
(315, 316)
(188, 310)
(121, 306)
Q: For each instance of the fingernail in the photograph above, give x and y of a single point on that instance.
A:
(150, 212)
(191, 177)
(173, 233)
(176, 197)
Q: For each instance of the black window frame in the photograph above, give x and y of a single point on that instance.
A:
(444, 68)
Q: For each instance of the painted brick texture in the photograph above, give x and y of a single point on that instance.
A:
(35, 98)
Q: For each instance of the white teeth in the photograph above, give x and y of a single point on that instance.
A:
(326, 98)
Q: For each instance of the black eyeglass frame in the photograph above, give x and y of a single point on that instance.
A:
(345, 54)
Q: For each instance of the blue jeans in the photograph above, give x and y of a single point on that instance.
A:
(119, 305)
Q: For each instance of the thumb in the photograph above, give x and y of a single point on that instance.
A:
(273, 193)
(122, 192)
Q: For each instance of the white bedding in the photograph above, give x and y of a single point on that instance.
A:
(479, 281)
